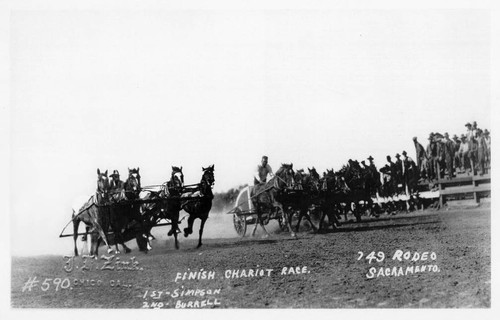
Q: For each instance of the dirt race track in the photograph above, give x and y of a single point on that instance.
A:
(326, 270)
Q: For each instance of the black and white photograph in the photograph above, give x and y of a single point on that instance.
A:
(230, 155)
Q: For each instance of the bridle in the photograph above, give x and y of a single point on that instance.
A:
(208, 177)
(177, 179)
(290, 184)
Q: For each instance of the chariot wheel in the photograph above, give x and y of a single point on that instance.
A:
(240, 222)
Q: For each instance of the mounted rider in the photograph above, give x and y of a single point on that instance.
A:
(263, 170)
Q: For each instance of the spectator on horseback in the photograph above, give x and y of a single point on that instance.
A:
(263, 169)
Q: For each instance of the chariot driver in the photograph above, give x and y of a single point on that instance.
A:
(116, 186)
(262, 171)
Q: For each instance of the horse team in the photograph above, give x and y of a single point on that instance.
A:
(120, 211)
(299, 193)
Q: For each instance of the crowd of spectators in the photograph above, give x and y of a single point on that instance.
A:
(443, 158)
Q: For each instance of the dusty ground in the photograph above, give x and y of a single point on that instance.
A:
(333, 278)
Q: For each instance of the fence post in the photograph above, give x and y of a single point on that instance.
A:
(441, 200)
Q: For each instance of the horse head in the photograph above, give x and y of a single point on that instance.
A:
(313, 173)
(285, 175)
(133, 184)
(177, 178)
(102, 186)
(135, 173)
(299, 179)
(208, 175)
(312, 180)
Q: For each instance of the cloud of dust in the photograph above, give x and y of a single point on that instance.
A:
(218, 226)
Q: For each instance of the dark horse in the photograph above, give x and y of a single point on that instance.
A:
(94, 213)
(124, 213)
(361, 184)
(200, 202)
(333, 192)
(268, 197)
(302, 197)
(165, 204)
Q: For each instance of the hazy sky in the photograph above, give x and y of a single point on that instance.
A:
(152, 89)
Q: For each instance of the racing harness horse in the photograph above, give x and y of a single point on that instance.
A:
(124, 210)
(301, 198)
(165, 204)
(94, 213)
(269, 197)
(334, 191)
(199, 202)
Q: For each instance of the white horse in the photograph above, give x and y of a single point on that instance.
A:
(85, 210)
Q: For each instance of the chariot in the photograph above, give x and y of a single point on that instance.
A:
(244, 212)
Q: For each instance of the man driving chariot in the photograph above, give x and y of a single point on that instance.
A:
(117, 187)
(263, 170)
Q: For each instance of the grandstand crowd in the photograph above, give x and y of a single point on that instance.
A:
(443, 158)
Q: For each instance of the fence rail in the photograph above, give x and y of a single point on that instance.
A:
(460, 187)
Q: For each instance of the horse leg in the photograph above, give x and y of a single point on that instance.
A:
(256, 223)
(287, 221)
(327, 212)
(142, 242)
(95, 251)
(102, 233)
(259, 221)
(127, 249)
(136, 210)
(356, 213)
(338, 212)
(76, 223)
(201, 231)
(264, 228)
(173, 230)
(117, 226)
(299, 220)
(322, 219)
(91, 241)
(308, 217)
(335, 222)
(121, 241)
(85, 241)
(189, 229)
(117, 239)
